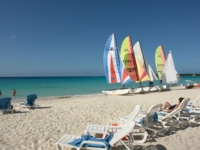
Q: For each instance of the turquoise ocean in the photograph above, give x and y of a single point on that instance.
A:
(65, 86)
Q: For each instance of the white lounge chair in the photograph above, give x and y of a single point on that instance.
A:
(176, 117)
(112, 126)
(193, 107)
(88, 144)
(149, 120)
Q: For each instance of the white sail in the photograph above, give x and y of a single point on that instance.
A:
(169, 73)
(138, 52)
(150, 71)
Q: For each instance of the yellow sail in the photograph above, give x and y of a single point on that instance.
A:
(143, 76)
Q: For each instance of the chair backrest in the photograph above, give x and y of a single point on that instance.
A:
(31, 99)
(125, 130)
(134, 114)
(172, 113)
(183, 104)
(5, 103)
(152, 115)
(195, 103)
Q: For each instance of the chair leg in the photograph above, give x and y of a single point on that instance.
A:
(58, 147)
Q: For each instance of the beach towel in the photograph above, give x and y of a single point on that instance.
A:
(88, 137)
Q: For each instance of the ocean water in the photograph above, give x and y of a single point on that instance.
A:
(64, 86)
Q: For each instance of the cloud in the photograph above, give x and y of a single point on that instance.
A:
(13, 37)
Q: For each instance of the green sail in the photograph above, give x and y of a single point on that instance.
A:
(160, 59)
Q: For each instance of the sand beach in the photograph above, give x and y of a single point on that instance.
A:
(40, 128)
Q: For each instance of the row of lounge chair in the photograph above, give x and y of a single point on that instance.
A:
(128, 128)
(5, 103)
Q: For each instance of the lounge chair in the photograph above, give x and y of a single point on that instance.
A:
(175, 118)
(148, 120)
(112, 126)
(144, 122)
(30, 102)
(88, 142)
(193, 107)
(5, 104)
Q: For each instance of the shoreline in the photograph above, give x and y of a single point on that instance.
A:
(57, 97)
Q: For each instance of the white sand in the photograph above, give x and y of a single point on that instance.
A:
(39, 129)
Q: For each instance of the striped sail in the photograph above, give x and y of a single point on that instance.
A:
(128, 58)
(160, 59)
(113, 66)
(111, 61)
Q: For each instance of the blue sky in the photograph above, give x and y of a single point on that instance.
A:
(67, 37)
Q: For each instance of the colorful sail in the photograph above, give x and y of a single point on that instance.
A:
(128, 58)
(138, 52)
(160, 59)
(143, 76)
(125, 78)
(111, 61)
(113, 66)
(169, 73)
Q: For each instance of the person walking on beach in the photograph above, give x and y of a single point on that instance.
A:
(14, 92)
(0, 93)
(169, 108)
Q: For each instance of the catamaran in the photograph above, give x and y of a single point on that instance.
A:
(132, 64)
(138, 52)
(170, 75)
(114, 68)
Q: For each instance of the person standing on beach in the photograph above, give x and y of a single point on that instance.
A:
(14, 92)
(0, 93)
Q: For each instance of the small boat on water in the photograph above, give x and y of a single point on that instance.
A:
(189, 81)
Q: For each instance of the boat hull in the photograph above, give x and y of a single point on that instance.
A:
(153, 89)
(117, 92)
(140, 90)
(163, 88)
(177, 87)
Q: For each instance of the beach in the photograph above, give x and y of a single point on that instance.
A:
(40, 128)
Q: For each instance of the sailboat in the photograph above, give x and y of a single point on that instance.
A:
(114, 68)
(138, 52)
(132, 64)
(169, 74)
(160, 59)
